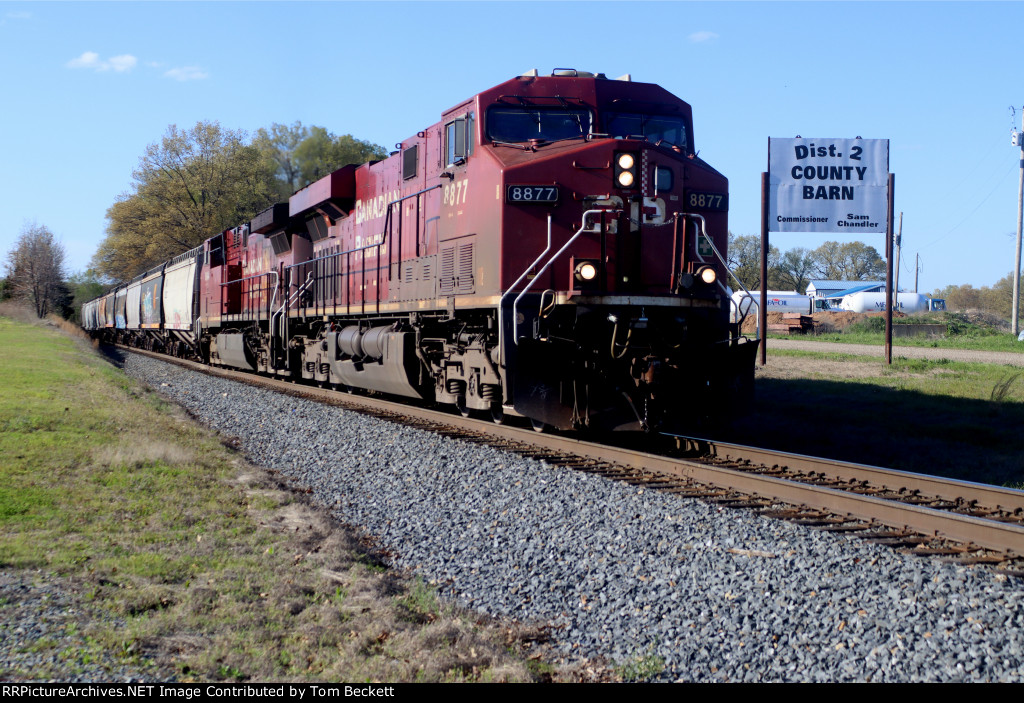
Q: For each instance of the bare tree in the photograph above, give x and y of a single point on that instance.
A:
(35, 270)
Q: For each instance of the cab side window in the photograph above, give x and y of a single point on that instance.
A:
(458, 139)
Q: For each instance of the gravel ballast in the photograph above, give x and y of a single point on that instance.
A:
(38, 610)
(667, 588)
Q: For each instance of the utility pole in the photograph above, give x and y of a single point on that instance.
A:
(917, 269)
(1017, 139)
(899, 250)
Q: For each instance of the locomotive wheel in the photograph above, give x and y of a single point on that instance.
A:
(539, 426)
(498, 414)
(460, 403)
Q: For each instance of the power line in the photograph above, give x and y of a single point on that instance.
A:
(957, 226)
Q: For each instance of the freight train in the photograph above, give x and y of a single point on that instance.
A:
(553, 248)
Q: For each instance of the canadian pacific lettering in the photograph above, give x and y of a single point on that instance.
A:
(374, 207)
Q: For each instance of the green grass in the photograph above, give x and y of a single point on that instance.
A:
(206, 570)
(931, 377)
(961, 333)
(997, 342)
(641, 667)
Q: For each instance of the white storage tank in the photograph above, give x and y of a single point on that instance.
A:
(778, 301)
(875, 302)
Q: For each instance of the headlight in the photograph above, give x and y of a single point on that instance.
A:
(625, 170)
(708, 275)
(586, 271)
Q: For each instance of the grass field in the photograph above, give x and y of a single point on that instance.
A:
(963, 331)
(1001, 342)
(197, 565)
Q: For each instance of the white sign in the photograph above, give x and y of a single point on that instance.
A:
(828, 185)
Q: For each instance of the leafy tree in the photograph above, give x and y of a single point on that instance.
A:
(188, 186)
(35, 270)
(863, 262)
(84, 287)
(303, 154)
(828, 261)
(197, 182)
(963, 297)
(744, 259)
(279, 144)
(794, 270)
(322, 152)
(999, 300)
(995, 300)
(851, 261)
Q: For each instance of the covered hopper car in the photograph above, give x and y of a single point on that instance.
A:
(552, 248)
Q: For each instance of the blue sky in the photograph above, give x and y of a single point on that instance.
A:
(86, 86)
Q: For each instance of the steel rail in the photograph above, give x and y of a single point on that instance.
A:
(1006, 499)
(974, 531)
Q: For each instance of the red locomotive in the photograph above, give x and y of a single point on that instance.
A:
(551, 249)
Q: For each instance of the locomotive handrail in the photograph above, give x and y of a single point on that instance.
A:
(298, 291)
(526, 271)
(696, 250)
(305, 284)
(515, 303)
(307, 262)
(384, 233)
(348, 271)
(273, 297)
(387, 221)
(288, 301)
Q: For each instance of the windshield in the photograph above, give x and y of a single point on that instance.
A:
(523, 123)
(654, 127)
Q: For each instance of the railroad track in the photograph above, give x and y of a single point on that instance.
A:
(967, 522)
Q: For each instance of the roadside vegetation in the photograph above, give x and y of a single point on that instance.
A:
(192, 565)
(963, 330)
